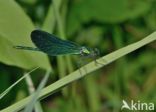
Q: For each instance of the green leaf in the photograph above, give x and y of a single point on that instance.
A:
(106, 11)
(15, 29)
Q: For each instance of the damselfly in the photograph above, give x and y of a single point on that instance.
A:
(54, 46)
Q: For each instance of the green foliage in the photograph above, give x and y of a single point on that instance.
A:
(104, 24)
(35, 96)
(104, 11)
(13, 85)
(15, 28)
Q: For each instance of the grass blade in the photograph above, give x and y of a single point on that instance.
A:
(31, 88)
(30, 106)
(7, 90)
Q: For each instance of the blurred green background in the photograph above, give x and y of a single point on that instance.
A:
(104, 24)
